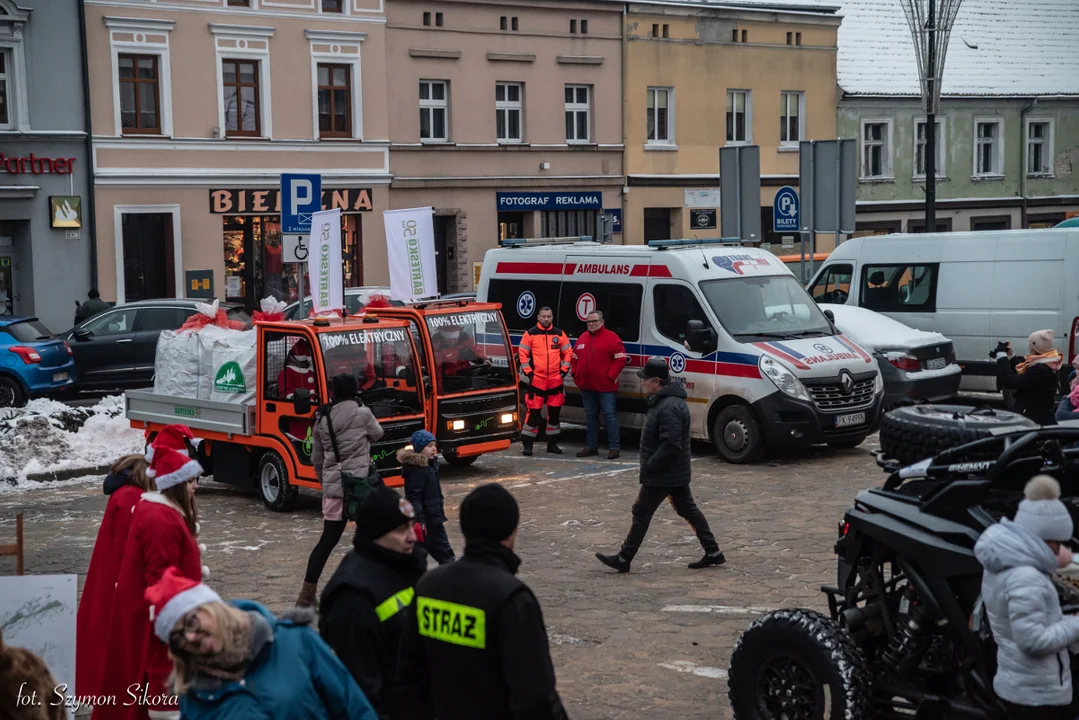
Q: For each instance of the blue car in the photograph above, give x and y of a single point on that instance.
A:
(33, 361)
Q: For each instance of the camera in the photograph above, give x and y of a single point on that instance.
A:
(1002, 347)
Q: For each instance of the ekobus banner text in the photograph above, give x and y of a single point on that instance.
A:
(410, 248)
(324, 262)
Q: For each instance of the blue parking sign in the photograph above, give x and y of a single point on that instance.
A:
(785, 211)
(301, 196)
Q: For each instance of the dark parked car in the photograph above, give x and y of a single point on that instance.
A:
(33, 361)
(116, 348)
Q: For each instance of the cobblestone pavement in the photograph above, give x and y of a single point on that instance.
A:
(651, 644)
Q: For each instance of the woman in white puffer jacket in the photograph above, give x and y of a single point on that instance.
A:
(1032, 634)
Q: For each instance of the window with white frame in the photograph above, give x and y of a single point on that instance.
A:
(578, 113)
(876, 149)
(434, 110)
(142, 92)
(660, 115)
(1039, 147)
(243, 79)
(988, 147)
(508, 104)
(920, 143)
(5, 89)
(791, 117)
(738, 113)
(336, 82)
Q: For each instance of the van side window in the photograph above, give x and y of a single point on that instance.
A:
(620, 304)
(522, 299)
(833, 286)
(673, 306)
(900, 288)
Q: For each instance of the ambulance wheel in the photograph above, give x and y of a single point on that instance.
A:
(277, 494)
(460, 461)
(737, 435)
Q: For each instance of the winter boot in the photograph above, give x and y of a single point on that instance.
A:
(526, 444)
(616, 562)
(708, 560)
(587, 452)
(552, 446)
(308, 595)
(612, 454)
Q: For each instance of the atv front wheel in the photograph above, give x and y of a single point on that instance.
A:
(916, 432)
(798, 664)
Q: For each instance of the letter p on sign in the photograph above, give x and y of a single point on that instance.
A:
(301, 197)
(302, 193)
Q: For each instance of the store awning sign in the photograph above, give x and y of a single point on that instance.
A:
(245, 201)
(529, 201)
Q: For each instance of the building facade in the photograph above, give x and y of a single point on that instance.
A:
(506, 119)
(698, 78)
(199, 106)
(46, 253)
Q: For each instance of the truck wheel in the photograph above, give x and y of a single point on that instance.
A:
(277, 493)
(11, 393)
(737, 435)
(916, 432)
(798, 664)
(459, 460)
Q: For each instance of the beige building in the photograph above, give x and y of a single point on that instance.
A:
(197, 108)
(506, 119)
(698, 78)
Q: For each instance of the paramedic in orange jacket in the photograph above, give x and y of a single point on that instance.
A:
(545, 354)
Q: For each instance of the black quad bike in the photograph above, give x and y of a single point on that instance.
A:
(906, 635)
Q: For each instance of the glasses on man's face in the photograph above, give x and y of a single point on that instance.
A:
(594, 322)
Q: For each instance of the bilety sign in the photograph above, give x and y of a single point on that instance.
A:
(324, 261)
(528, 201)
(410, 249)
(228, 201)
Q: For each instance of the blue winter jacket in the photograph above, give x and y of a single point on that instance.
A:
(294, 677)
(1065, 411)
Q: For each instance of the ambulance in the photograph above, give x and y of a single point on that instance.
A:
(763, 366)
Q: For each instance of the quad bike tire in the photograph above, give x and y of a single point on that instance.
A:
(798, 664)
(916, 432)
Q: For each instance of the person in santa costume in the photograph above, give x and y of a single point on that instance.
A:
(236, 660)
(299, 372)
(162, 535)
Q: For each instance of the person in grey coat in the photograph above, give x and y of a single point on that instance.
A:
(93, 306)
(356, 428)
(1032, 634)
(665, 468)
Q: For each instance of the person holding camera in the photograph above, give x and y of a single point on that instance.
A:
(1032, 380)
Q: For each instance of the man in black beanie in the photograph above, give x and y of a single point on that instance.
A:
(362, 618)
(476, 645)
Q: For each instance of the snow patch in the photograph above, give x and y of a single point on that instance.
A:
(874, 331)
(718, 609)
(685, 666)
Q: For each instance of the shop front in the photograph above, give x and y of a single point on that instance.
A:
(550, 214)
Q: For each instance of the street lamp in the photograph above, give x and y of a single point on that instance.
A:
(930, 25)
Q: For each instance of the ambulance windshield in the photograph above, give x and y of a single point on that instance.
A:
(472, 351)
(382, 361)
(773, 307)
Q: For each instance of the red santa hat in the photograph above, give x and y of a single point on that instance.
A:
(172, 437)
(301, 350)
(173, 597)
(171, 467)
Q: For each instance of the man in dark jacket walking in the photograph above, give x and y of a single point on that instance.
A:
(598, 359)
(423, 488)
(362, 606)
(91, 307)
(476, 645)
(665, 468)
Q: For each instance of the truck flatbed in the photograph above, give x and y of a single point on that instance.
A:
(228, 418)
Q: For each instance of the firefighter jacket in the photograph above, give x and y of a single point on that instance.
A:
(544, 354)
(598, 358)
(475, 643)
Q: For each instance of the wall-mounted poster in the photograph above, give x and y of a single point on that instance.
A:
(65, 211)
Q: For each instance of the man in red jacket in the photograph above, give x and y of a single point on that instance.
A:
(597, 361)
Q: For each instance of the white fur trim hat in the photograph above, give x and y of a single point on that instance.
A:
(171, 467)
(173, 597)
(174, 437)
(1042, 513)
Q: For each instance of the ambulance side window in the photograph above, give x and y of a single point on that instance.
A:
(620, 304)
(673, 306)
(522, 299)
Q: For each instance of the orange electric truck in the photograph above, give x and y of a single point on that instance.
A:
(266, 444)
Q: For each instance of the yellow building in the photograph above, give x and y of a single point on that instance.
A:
(697, 78)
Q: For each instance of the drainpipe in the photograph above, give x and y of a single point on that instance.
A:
(625, 140)
(1023, 161)
(91, 202)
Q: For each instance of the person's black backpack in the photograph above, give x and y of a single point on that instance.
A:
(354, 488)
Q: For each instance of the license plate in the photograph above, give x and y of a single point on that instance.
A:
(936, 363)
(59, 377)
(848, 420)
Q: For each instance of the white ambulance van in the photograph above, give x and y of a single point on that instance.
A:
(763, 367)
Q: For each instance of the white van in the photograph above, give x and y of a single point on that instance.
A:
(977, 288)
(763, 367)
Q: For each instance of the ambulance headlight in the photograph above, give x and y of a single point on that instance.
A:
(878, 383)
(784, 379)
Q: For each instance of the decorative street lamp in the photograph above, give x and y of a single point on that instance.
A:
(930, 25)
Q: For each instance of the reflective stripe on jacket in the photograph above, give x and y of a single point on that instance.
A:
(545, 356)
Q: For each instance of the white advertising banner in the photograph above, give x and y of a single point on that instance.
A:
(410, 247)
(324, 264)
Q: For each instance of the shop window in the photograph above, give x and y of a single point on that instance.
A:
(139, 107)
(578, 113)
(899, 288)
(333, 6)
(434, 110)
(1045, 220)
(508, 107)
(620, 304)
(5, 89)
(833, 285)
(569, 223)
(992, 222)
(240, 79)
(673, 306)
(522, 299)
(738, 114)
(334, 101)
